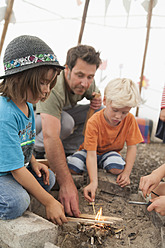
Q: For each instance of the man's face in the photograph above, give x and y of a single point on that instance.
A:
(81, 76)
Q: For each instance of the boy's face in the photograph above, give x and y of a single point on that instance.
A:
(114, 115)
(80, 77)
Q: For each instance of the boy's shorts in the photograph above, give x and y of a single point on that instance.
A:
(106, 161)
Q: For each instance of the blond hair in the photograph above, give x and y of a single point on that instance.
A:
(122, 92)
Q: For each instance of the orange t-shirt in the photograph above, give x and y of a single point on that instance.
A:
(102, 137)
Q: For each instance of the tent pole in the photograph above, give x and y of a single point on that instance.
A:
(146, 46)
(83, 21)
(7, 20)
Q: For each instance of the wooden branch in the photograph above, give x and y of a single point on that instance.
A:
(83, 21)
(145, 50)
(43, 161)
(104, 218)
(7, 20)
(90, 113)
(80, 220)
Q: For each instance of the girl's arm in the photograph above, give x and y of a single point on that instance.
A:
(90, 189)
(150, 182)
(54, 210)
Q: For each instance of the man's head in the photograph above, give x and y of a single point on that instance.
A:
(81, 64)
(120, 95)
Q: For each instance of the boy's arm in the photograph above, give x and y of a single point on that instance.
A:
(91, 162)
(130, 158)
(123, 178)
(54, 210)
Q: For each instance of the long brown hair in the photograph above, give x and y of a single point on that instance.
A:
(15, 86)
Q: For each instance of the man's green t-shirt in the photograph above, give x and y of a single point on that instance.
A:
(61, 99)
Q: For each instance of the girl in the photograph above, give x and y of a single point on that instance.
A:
(31, 69)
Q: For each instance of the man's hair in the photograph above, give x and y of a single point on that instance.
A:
(122, 92)
(15, 86)
(84, 52)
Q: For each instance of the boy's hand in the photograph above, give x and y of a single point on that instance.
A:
(148, 183)
(89, 192)
(41, 170)
(123, 179)
(158, 204)
(55, 212)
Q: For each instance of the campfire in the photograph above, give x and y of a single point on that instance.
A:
(97, 227)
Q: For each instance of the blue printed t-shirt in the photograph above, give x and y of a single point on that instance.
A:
(17, 136)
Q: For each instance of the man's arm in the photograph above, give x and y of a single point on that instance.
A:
(68, 195)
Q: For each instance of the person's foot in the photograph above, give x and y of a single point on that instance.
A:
(39, 155)
(68, 154)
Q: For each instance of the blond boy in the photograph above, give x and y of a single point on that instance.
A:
(105, 136)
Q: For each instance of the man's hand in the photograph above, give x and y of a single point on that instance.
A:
(158, 204)
(123, 179)
(96, 102)
(68, 196)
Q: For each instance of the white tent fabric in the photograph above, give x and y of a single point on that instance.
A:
(117, 28)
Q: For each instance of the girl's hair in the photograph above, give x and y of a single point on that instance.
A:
(15, 86)
(122, 92)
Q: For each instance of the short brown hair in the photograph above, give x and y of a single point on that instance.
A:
(84, 52)
(15, 86)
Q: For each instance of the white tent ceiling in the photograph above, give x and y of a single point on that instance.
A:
(120, 36)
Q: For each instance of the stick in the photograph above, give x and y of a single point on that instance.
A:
(72, 219)
(104, 218)
(93, 205)
(90, 113)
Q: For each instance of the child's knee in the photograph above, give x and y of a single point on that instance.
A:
(115, 171)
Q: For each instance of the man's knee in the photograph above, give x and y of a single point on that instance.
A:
(67, 125)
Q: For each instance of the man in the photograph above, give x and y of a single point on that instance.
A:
(63, 120)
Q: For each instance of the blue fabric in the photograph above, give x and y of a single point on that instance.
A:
(14, 199)
(17, 136)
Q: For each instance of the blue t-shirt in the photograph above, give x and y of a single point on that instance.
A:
(17, 136)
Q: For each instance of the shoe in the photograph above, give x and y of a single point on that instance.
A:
(39, 155)
(68, 154)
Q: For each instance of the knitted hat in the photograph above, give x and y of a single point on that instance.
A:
(26, 52)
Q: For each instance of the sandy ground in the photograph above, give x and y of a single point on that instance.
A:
(136, 228)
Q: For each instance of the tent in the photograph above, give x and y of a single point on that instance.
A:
(117, 28)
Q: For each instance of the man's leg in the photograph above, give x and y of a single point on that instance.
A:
(72, 142)
(67, 127)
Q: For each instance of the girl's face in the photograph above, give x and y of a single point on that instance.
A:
(114, 115)
(44, 85)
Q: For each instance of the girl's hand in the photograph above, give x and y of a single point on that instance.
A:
(89, 192)
(55, 212)
(148, 183)
(123, 179)
(158, 204)
(41, 170)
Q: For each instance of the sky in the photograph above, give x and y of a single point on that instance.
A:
(119, 37)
